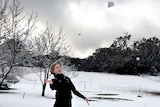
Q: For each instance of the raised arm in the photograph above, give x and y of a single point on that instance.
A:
(52, 83)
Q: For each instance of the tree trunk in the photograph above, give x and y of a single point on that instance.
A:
(5, 76)
(43, 89)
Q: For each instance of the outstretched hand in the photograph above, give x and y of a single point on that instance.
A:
(48, 81)
(87, 100)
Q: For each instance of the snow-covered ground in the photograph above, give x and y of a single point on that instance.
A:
(104, 90)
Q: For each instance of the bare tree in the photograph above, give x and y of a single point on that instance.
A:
(3, 16)
(49, 46)
(15, 27)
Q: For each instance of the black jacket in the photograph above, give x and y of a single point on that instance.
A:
(63, 86)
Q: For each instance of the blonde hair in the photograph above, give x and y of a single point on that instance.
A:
(53, 66)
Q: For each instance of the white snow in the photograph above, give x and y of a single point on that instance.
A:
(89, 84)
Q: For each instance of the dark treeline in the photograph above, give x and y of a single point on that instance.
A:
(141, 57)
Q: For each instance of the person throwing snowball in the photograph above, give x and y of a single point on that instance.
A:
(63, 86)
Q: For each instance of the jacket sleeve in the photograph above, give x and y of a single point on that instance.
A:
(53, 86)
(74, 90)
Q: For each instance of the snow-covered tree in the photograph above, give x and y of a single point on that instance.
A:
(15, 28)
(49, 46)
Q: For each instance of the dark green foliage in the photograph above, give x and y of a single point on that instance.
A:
(142, 57)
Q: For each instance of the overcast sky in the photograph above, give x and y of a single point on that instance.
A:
(97, 24)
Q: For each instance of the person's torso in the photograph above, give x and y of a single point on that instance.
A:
(63, 88)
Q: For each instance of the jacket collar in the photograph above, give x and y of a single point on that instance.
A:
(59, 76)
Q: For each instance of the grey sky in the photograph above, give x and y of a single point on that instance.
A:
(98, 25)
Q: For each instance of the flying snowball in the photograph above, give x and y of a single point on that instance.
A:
(110, 4)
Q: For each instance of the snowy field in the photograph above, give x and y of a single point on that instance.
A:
(104, 90)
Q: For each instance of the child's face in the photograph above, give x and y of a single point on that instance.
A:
(57, 69)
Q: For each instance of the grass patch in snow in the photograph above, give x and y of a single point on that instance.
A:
(140, 93)
(7, 92)
(110, 99)
(155, 93)
(108, 94)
